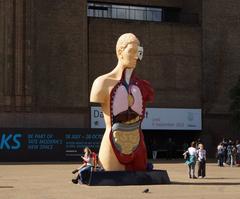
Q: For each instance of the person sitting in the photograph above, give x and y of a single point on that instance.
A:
(88, 163)
(97, 166)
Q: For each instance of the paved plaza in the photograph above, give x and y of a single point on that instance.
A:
(53, 181)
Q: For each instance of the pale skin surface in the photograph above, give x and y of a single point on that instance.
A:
(100, 93)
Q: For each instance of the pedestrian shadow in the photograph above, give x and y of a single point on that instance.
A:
(220, 178)
(6, 187)
(205, 183)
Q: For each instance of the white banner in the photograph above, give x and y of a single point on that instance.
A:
(159, 119)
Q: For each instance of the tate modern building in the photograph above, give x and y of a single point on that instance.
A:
(51, 52)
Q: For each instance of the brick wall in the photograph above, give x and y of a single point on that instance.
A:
(171, 62)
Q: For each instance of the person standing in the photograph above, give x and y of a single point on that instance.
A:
(238, 152)
(154, 149)
(220, 154)
(199, 141)
(225, 154)
(170, 149)
(201, 154)
(191, 160)
(230, 153)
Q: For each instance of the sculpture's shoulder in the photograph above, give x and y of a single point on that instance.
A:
(99, 89)
(99, 81)
(102, 81)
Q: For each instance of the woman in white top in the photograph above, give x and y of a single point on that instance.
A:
(86, 166)
(191, 160)
(201, 153)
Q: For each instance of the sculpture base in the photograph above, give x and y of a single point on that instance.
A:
(115, 178)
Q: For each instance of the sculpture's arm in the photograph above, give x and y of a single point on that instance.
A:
(98, 91)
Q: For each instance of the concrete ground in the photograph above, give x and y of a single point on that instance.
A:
(53, 181)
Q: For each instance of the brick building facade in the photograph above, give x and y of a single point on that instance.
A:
(51, 51)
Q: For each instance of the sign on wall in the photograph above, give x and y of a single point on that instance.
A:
(159, 119)
(47, 144)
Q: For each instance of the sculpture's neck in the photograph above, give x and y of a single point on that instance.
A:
(121, 71)
(128, 74)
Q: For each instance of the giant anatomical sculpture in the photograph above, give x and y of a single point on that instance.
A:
(123, 96)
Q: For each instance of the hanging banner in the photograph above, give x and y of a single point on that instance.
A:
(47, 144)
(159, 119)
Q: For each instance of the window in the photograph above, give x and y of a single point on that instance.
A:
(128, 12)
(99, 10)
(141, 13)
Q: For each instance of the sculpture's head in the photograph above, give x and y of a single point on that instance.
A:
(128, 50)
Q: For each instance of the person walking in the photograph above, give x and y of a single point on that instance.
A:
(191, 160)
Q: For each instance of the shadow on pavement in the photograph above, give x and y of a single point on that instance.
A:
(206, 183)
(6, 187)
(221, 178)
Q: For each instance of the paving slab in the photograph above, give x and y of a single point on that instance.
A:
(53, 181)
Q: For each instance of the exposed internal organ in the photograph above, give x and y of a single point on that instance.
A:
(126, 142)
(127, 110)
(123, 100)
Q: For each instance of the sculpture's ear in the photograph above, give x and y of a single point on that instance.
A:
(119, 52)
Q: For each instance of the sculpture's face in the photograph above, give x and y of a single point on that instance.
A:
(129, 55)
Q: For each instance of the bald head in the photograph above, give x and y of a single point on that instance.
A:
(124, 40)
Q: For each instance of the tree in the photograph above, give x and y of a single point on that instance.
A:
(235, 104)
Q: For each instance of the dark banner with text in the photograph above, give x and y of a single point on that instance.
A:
(47, 144)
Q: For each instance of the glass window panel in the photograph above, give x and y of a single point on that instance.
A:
(157, 16)
(122, 12)
(132, 14)
(149, 15)
(90, 12)
(105, 13)
(114, 13)
(97, 13)
(138, 13)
